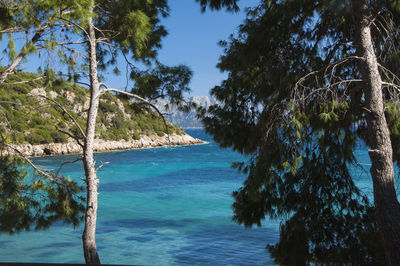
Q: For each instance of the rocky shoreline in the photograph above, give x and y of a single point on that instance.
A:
(102, 145)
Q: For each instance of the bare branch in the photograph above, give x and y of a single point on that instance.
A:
(67, 162)
(70, 135)
(301, 93)
(82, 83)
(45, 173)
(63, 109)
(101, 165)
(138, 98)
(10, 102)
(13, 30)
(388, 73)
(22, 54)
(390, 84)
(69, 43)
(131, 95)
(76, 25)
(22, 82)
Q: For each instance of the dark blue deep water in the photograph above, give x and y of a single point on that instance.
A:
(160, 206)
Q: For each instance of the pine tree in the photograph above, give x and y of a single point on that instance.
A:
(307, 81)
(90, 42)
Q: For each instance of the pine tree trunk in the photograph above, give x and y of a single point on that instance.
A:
(386, 203)
(89, 233)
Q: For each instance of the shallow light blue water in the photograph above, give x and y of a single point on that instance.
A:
(161, 206)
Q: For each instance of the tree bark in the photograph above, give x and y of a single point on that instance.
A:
(89, 233)
(20, 56)
(385, 199)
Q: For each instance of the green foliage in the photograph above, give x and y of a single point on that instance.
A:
(35, 120)
(38, 17)
(136, 136)
(11, 48)
(139, 35)
(301, 129)
(27, 201)
(163, 81)
(230, 5)
(107, 107)
(138, 25)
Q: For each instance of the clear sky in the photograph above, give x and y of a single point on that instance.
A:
(192, 40)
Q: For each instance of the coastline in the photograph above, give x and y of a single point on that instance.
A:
(100, 145)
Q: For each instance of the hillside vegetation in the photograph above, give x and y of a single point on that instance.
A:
(26, 117)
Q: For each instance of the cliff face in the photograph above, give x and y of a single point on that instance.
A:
(186, 120)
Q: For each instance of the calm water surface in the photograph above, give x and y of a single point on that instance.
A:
(161, 206)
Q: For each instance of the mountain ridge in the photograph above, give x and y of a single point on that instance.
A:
(185, 119)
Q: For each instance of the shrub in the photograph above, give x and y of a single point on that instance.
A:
(39, 136)
(107, 107)
(28, 115)
(160, 133)
(136, 136)
(58, 137)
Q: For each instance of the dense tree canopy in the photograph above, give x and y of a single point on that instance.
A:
(295, 101)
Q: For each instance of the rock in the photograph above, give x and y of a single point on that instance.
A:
(53, 94)
(103, 145)
(70, 96)
(47, 151)
(77, 108)
(39, 91)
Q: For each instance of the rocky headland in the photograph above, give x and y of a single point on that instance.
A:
(101, 145)
(37, 119)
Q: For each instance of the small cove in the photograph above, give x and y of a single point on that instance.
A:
(159, 206)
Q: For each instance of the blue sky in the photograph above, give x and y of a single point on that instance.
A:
(192, 40)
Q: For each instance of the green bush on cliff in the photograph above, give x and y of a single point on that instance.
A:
(135, 136)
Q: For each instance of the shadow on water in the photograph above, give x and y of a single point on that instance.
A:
(4, 243)
(204, 244)
(227, 244)
(175, 179)
(56, 245)
(146, 223)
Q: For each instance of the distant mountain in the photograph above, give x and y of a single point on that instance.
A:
(182, 119)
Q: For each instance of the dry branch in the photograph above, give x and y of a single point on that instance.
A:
(135, 96)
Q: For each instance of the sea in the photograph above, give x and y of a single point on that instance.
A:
(160, 206)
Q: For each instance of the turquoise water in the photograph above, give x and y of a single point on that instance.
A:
(161, 206)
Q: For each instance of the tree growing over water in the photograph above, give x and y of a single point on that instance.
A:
(306, 81)
(104, 31)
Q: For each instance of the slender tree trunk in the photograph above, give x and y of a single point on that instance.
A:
(386, 203)
(20, 56)
(89, 233)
